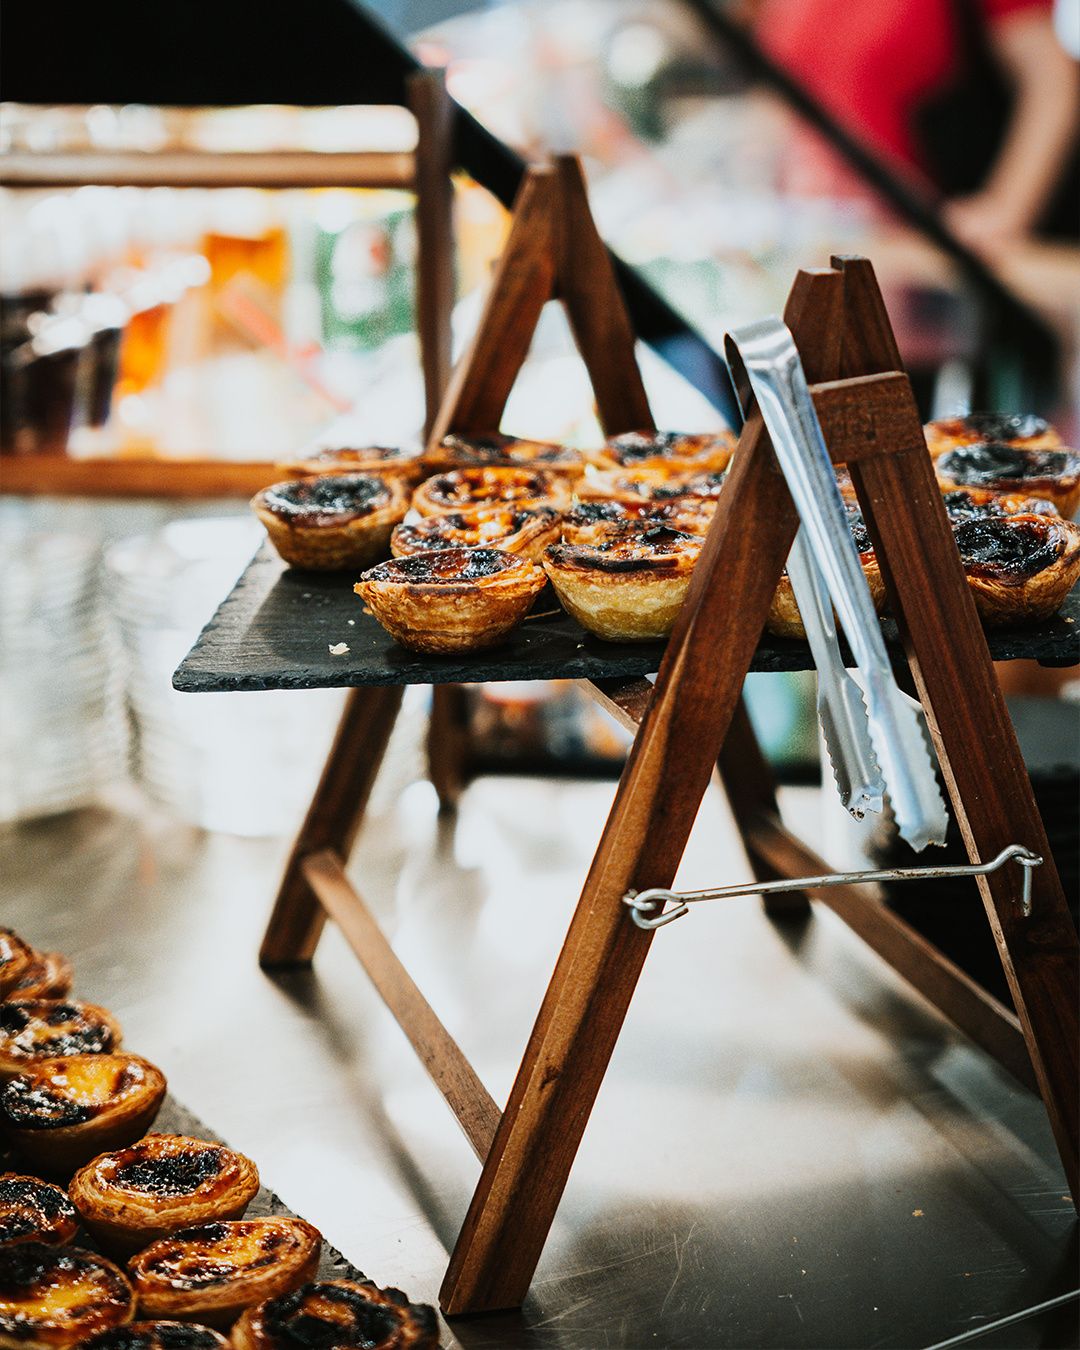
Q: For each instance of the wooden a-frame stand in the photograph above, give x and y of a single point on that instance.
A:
(689, 720)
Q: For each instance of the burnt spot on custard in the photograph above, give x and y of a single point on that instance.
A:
(478, 526)
(331, 499)
(28, 1205)
(1010, 548)
(701, 485)
(171, 1173)
(155, 1336)
(198, 1257)
(25, 1026)
(447, 566)
(993, 426)
(984, 463)
(638, 550)
(322, 1315)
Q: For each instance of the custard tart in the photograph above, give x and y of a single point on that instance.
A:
(526, 531)
(58, 1296)
(965, 503)
(593, 521)
(1022, 430)
(376, 459)
(157, 1336)
(675, 450)
(32, 1210)
(337, 1313)
(460, 451)
(632, 486)
(61, 1112)
(332, 522)
(15, 958)
(41, 1028)
(462, 489)
(453, 599)
(1019, 568)
(48, 975)
(784, 619)
(133, 1196)
(1053, 475)
(628, 589)
(212, 1272)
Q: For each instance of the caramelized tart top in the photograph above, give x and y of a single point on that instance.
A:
(448, 568)
(992, 426)
(637, 447)
(1010, 549)
(692, 514)
(489, 483)
(32, 1210)
(62, 1290)
(332, 499)
(156, 1336)
(73, 1089)
(330, 1313)
(361, 457)
(652, 548)
(212, 1254)
(171, 1167)
(498, 449)
(969, 503)
(476, 527)
(35, 1028)
(984, 463)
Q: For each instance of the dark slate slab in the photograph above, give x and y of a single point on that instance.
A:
(275, 629)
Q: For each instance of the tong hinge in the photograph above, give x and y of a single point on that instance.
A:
(647, 907)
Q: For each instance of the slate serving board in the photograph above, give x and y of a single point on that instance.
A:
(275, 629)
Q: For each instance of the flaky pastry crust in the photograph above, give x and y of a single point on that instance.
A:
(212, 1272)
(336, 521)
(784, 619)
(42, 1028)
(462, 489)
(339, 1313)
(32, 1210)
(628, 589)
(15, 957)
(526, 531)
(48, 975)
(451, 600)
(58, 1296)
(133, 1196)
(60, 1112)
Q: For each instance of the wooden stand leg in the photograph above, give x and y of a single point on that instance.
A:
(448, 743)
(332, 822)
(751, 793)
(976, 744)
(659, 794)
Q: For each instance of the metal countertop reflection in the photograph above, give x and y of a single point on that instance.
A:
(790, 1149)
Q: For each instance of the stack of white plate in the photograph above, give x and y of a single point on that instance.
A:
(63, 730)
(241, 763)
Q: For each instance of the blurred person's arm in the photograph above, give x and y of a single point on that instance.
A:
(1046, 82)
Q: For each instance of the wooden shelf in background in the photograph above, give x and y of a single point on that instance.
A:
(59, 476)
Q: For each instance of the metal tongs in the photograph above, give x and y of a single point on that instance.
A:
(886, 728)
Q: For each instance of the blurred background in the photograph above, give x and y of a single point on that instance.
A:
(725, 144)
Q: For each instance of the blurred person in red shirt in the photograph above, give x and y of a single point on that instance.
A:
(974, 98)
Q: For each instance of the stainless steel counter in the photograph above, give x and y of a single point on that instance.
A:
(790, 1149)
